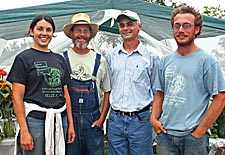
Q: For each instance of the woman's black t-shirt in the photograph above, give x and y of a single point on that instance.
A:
(44, 75)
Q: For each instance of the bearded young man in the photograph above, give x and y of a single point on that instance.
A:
(187, 79)
(89, 80)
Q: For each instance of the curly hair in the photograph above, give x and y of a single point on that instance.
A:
(187, 9)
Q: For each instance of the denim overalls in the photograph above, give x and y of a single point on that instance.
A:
(85, 109)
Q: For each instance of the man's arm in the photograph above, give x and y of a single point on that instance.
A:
(71, 132)
(156, 112)
(105, 109)
(215, 108)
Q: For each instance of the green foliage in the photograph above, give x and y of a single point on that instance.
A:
(214, 12)
(105, 145)
(6, 106)
(1, 136)
(218, 128)
(209, 11)
(176, 5)
(160, 2)
(6, 103)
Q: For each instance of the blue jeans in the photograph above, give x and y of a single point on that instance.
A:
(88, 141)
(37, 130)
(184, 145)
(85, 107)
(129, 135)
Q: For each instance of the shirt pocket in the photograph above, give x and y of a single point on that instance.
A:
(139, 74)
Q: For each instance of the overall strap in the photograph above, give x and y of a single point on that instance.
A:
(97, 64)
(65, 54)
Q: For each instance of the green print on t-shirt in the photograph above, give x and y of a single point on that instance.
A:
(52, 77)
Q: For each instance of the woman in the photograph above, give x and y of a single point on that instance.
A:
(39, 79)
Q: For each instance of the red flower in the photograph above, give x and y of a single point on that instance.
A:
(2, 72)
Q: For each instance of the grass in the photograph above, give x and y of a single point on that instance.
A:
(105, 145)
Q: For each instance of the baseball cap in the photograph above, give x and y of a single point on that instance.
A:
(129, 14)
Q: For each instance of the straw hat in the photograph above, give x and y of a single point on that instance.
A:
(80, 19)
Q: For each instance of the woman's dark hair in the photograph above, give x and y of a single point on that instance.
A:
(39, 18)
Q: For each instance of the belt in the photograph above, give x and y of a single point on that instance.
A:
(131, 114)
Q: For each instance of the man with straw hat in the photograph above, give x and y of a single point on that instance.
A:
(90, 79)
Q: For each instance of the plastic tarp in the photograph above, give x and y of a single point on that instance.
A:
(155, 17)
(156, 34)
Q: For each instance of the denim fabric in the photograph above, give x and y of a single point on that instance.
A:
(88, 141)
(183, 145)
(129, 135)
(84, 96)
(37, 130)
(85, 107)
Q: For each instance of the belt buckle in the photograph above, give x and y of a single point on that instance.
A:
(123, 113)
(130, 114)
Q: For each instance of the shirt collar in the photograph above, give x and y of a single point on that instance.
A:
(139, 49)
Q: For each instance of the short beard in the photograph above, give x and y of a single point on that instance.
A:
(80, 46)
(187, 43)
(184, 44)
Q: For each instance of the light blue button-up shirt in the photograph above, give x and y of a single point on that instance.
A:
(132, 77)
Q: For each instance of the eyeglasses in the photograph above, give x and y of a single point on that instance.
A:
(86, 31)
(185, 26)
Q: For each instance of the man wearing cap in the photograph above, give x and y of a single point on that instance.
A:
(90, 79)
(132, 71)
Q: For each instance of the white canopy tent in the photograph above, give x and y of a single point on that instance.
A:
(156, 34)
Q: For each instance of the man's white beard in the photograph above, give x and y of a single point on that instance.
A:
(80, 46)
